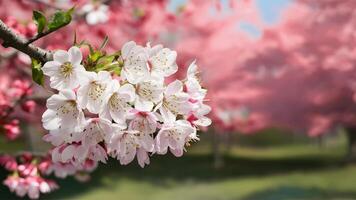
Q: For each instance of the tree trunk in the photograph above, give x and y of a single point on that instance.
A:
(351, 151)
(228, 142)
(217, 151)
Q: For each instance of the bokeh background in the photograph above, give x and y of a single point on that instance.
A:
(281, 78)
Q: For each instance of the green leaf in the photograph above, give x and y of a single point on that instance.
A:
(109, 63)
(37, 74)
(40, 20)
(94, 57)
(60, 19)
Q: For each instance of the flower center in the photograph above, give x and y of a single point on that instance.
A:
(66, 69)
(175, 133)
(96, 90)
(68, 108)
(171, 104)
(146, 91)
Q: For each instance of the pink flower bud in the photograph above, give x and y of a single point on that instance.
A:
(8, 162)
(12, 130)
(29, 106)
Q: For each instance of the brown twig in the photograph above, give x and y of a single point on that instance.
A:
(12, 39)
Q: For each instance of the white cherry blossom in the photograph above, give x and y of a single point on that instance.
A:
(162, 61)
(123, 145)
(175, 100)
(148, 93)
(130, 114)
(63, 112)
(192, 84)
(135, 67)
(65, 70)
(173, 135)
(118, 103)
(92, 95)
(197, 116)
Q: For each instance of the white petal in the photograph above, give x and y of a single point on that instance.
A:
(119, 118)
(51, 68)
(55, 101)
(142, 157)
(104, 76)
(167, 116)
(178, 152)
(68, 94)
(88, 7)
(174, 87)
(143, 105)
(203, 121)
(161, 142)
(82, 96)
(61, 56)
(75, 55)
(126, 48)
(192, 70)
(50, 120)
(67, 153)
(128, 90)
(92, 18)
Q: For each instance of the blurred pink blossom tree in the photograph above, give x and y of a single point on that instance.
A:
(299, 75)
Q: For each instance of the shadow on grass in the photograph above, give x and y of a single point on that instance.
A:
(189, 167)
(297, 193)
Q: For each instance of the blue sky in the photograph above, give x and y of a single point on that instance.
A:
(270, 9)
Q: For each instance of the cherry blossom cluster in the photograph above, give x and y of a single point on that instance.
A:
(131, 114)
(28, 30)
(13, 95)
(27, 172)
(26, 176)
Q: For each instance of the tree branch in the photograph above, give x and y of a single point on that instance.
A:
(11, 39)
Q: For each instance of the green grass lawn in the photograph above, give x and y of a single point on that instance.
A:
(285, 172)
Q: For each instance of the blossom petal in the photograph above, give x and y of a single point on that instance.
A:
(75, 55)
(61, 56)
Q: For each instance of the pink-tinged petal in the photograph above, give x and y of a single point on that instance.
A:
(142, 157)
(75, 55)
(161, 142)
(192, 70)
(167, 116)
(204, 110)
(33, 192)
(178, 152)
(105, 113)
(203, 121)
(127, 155)
(81, 153)
(119, 118)
(68, 153)
(174, 87)
(56, 156)
(61, 56)
(147, 143)
(44, 187)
